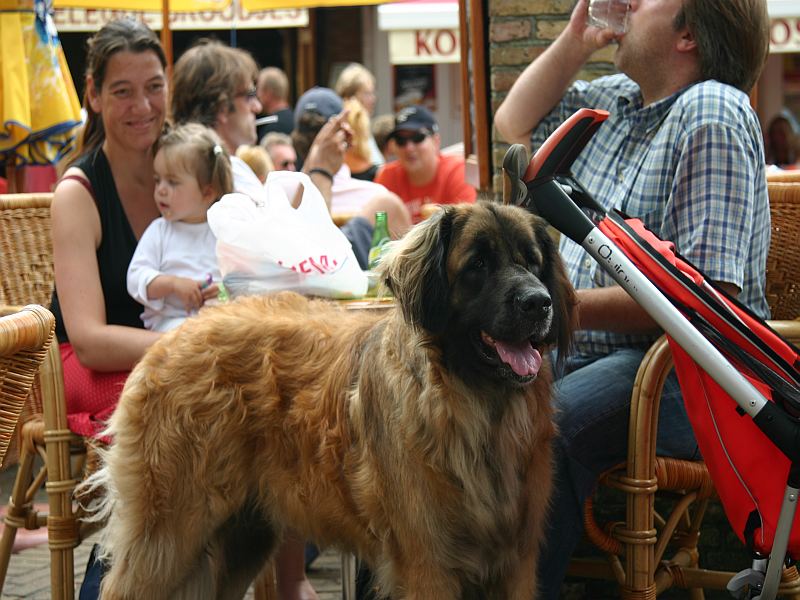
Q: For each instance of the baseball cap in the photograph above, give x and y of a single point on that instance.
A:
(414, 118)
(321, 100)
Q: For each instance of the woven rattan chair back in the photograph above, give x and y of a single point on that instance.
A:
(783, 176)
(26, 262)
(783, 262)
(25, 337)
(26, 249)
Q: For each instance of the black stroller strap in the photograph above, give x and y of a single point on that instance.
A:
(752, 525)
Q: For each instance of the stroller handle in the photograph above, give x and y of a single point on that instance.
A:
(556, 155)
(553, 192)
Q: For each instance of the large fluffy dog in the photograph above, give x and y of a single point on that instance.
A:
(418, 439)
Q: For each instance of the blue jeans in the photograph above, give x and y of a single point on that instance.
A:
(592, 398)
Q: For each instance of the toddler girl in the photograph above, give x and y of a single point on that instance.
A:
(174, 268)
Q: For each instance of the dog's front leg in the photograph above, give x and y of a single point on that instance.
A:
(521, 582)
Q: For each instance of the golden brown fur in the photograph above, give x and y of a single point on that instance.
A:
(383, 434)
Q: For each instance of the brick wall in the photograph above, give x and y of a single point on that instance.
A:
(519, 31)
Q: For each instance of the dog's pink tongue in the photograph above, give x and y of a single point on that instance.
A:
(523, 358)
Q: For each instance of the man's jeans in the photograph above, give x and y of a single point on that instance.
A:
(592, 401)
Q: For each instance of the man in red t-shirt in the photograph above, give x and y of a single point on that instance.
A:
(421, 175)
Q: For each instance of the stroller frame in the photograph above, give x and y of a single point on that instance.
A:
(548, 188)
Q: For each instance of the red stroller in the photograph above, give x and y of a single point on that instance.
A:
(729, 362)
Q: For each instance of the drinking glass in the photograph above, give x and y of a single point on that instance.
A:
(609, 14)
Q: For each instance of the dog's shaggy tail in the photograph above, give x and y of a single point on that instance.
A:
(163, 538)
(96, 497)
(141, 537)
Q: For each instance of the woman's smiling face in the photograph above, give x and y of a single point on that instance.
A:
(132, 98)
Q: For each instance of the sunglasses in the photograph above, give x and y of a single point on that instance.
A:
(417, 137)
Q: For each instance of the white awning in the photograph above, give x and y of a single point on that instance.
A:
(410, 15)
(783, 8)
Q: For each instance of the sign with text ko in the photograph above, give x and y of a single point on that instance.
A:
(424, 46)
(784, 35)
(89, 19)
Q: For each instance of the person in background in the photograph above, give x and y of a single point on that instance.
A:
(258, 159)
(421, 175)
(782, 144)
(357, 157)
(174, 269)
(281, 151)
(382, 127)
(101, 207)
(272, 88)
(349, 196)
(682, 151)
(356, 81)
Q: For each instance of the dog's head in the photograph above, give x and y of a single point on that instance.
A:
(487, 282)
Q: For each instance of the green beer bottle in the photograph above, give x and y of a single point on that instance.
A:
(380, 237)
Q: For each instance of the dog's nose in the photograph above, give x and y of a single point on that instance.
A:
(536, 303)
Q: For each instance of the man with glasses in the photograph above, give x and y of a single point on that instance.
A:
(214, 84)
(421, 174)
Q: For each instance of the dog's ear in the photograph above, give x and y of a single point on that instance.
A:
(562, 293)
(415, 270)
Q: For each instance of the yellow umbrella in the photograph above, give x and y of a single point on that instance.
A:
(198, 5)
(39, 107)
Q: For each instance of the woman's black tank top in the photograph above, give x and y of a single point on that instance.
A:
(116, 247)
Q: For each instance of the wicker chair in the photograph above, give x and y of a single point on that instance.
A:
(636, 547)
(25, 337)
(27, 267)
(783, 176)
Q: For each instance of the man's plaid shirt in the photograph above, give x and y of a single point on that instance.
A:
(690, 166)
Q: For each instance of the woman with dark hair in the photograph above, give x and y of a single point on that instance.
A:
(101, 207)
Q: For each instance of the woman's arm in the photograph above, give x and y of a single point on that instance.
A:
(76, 236)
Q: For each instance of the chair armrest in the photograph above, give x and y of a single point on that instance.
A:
(645, 402)
(789, 330)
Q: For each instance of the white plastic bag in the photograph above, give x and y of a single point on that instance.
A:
(274, 247)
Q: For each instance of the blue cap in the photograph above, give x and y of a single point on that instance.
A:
(321, 100)
(414, 118)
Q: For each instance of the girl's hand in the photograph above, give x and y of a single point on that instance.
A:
(210, 291)
(189, 292)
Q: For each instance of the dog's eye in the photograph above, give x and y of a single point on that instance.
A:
(533, 263)
(477, 263)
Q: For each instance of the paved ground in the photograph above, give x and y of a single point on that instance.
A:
(29, 574)
(29, 570)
